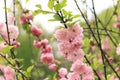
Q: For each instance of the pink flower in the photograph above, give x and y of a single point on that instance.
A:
(9, 73)
(11, 18)
(44, 42)
(73, 76)
(46, 49)
(78, 66)
(113, 78)
(2, 25)
(16, 43)
(117, 69)
(75, 55)
(88, 77)
(61, 34)
(75, 30)
(35, 31)
(13, 32)
(47, 58)
(62, 78)
(106, 45)
(118, 50)
(2, 46)
(2, 78)
(117, 25)
(110, 59)
(23, 19)
(62, 72)
(36, 44)
(52, 67)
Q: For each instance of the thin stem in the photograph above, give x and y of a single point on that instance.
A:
(6, 22)
(96, 23)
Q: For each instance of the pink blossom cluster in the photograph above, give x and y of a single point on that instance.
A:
(46, 56)
(106, 45)
(71, 42)
(118, 50)
(26, 17)
(117, 22)
(8, 73)
(78, 68)
(70, 47)
(12, 31)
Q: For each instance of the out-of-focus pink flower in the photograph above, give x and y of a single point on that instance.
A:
(118, 50)
(46, 49)
(52, 67)
(117, 69)
(110, 59)
(117, 25)
(47, 58)
(2, 25)
(23, 19)
(35, 31)
(44, 42)
(78, 66)
(2, 78)
(106, 45)
(61, 34)
(16, 43)
(13, 32)
(11, 18)
(9, 73)
(62, 72)
(63, 78)
(73, 76)
(37, 44)
(2, 46)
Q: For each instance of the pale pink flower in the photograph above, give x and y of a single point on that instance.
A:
(52, 67)
(78, 66)
(61, 34)
(106, 45)
(9, 73)
(2, 78)
(35, 31)
(73, 76)
(2, 46)
(47, 58)
(75, 30)
(75, 55)
(11, 18)
(118, 50)
(2, 25)
(88, 77)
(63, 78)
(29, 16)
(13, 32)
(62, 72)
(117, 69)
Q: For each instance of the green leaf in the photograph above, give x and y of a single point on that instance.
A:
(57, 17)
(63, 3)
(8, 9)
(52, 20)
(38, 6)
(7, 49)
(29, 69)
(51, 4)
(27, 1)
(36, 12)
(76, 16)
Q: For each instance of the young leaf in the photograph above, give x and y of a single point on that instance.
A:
(38, 6)
(7, 49)
(51, 4)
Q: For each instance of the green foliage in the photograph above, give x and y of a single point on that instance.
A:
(7, 49)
